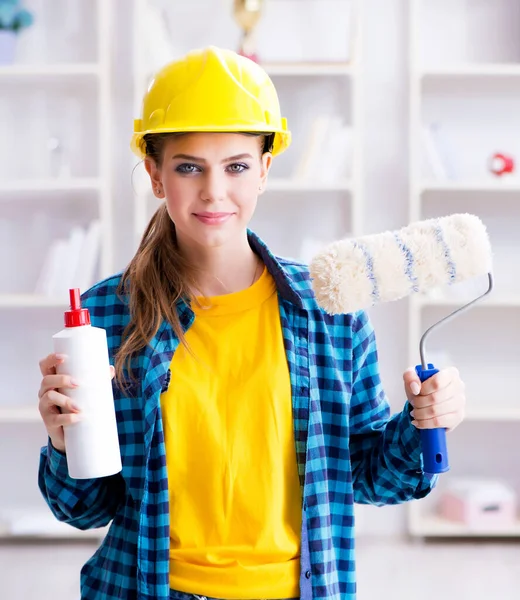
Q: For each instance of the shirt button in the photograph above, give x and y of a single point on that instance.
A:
(308, 574)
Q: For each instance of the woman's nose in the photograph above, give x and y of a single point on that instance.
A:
(213, 186)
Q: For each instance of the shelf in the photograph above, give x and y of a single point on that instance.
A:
(44, 71)
(30, 301)
(22, 414)
(433, 526)
(491, 413)
(74, 534)
(309, 69)
(307, 186)
(473, 70)
(50, 185)
(492, 301)
(38, 523)
(338, 69)
(499, 185)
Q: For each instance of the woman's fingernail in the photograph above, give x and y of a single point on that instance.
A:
(415, 387)
(75, 418)
(74, 382)
(412, 414)
(61, 356)
(74, 406)
(415, 423)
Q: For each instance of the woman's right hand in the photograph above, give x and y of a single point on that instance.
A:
(55, 408)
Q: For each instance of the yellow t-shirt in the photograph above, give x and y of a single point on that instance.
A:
(235, 501)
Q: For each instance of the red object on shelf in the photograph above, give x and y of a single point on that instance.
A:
(254, 57)
(76, 316)
(499, 164)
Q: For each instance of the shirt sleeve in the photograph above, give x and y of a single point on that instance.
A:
(385, 450)
(82, 503)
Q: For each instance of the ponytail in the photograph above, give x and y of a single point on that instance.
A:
(156, 278)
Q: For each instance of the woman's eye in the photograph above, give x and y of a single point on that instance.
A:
(187, 168)
(237, 167)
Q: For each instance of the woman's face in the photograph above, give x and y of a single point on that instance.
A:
(211, 183)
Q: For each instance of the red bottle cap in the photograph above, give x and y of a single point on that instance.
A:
(76, 316)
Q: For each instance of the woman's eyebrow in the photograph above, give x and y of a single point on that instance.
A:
(203, 160)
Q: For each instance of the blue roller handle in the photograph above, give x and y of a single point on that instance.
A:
(433, 441)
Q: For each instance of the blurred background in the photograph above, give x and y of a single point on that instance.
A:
(400, 110)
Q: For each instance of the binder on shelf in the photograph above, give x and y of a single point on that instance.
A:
(89, 256)
(71, 262)
(312, 146)
(336, 161)
(438, 153)
(55, 260)
(327, 151)
(72, 257)
(158, 43)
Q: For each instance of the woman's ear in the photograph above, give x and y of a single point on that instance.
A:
(267, 159)
(155, 177)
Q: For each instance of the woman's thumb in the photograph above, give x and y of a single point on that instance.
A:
(412, 380)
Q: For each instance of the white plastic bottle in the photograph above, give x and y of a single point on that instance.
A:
(92, 444)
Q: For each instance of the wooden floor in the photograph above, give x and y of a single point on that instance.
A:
(387, 570)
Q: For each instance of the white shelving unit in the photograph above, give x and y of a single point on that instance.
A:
(42, 186)
(42, 72)
(494, 71)
(471, 94)
(66, 57)
(309, 69)
(327, 209)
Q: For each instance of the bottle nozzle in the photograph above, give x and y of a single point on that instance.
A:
(76, 316)
(75, 299)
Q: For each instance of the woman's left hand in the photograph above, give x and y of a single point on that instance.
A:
(437, 402)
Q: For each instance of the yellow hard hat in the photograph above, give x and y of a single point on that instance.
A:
(211, 90)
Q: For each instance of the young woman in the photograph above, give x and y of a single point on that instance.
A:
(249, 420)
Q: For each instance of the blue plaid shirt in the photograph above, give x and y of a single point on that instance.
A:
(348, 447)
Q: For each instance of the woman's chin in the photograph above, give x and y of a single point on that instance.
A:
(217, 237)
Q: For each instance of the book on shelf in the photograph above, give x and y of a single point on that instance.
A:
(71, 262)
(438, 153)
(327, 151)
(157, 40)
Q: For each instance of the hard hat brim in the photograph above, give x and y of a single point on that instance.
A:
(282, 139)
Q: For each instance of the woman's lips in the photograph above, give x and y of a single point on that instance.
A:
(213, 218)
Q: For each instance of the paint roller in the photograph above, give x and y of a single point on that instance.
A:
(354, 274)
